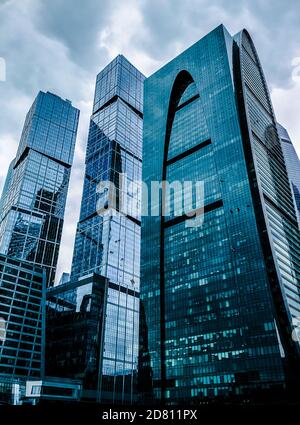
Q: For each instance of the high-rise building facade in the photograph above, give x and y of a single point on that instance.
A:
(6, 184)
(34, 198)
(22, 326)
(74, 332)
(292, 164)
(108, 234)
(218, 298)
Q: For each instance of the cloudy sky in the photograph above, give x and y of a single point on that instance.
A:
(60, 46)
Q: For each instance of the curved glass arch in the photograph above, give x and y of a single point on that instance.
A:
(184, 107)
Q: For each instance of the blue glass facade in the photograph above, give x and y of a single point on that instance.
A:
(33, 202)
(7, 184)
(74, 332)
(108, 241)
(217, 300)
(22, 326)
(292, 164)
(274, 206)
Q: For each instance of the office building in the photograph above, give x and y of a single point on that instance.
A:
(75, 312)
(108, 233)
(34, 196)
(49, 390)
(220, 291)
(292, 164)
(22, 326)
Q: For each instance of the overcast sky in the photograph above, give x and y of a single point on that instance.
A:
(60, 46)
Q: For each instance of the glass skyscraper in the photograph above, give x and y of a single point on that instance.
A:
(108, 235)
(34, 195)
(74, 332)
(292, 164)
(218, 299)
(22, 326)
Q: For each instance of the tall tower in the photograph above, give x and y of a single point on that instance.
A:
(292, 164)
(22, 324)
(34, 196)
(218, 298)
(107, 245)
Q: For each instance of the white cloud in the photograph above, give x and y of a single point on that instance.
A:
(286, 104)
(120, 36)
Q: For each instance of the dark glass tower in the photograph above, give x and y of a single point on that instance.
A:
(292, 164)
(107, 242)
(218, 299)
(34, 196)
(22, 326)
(74, 332)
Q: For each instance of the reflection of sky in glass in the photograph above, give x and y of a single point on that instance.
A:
(33, 202)
(83, 297)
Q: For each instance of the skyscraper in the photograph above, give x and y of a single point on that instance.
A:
(34, 196)
(107, 241)
(219, 298)
(293, 165)
(74, 332)
(22, 325)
